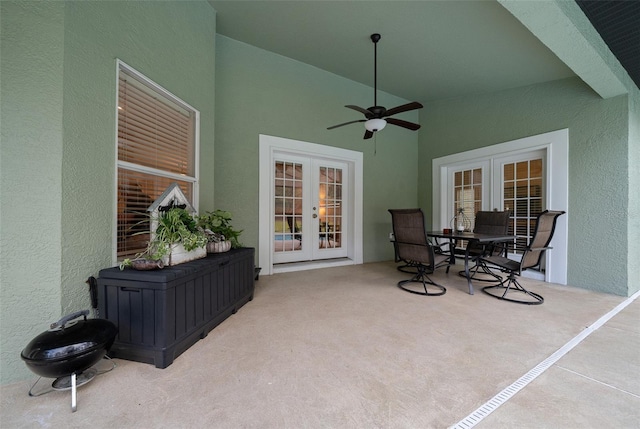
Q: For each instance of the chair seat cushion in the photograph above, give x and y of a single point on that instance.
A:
(503, 262)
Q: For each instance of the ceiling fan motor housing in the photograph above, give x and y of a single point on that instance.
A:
(376, 111)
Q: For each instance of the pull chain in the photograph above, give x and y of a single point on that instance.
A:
(375, 144)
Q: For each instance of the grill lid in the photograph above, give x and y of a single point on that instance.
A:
(70, 339)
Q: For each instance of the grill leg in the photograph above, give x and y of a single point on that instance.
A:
(74, 406)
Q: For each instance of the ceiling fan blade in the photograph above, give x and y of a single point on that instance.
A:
(347, 123)
(404, 108)
(403, 124)
(365, 112)
(368, 134)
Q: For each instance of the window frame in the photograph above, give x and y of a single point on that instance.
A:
(194, 180)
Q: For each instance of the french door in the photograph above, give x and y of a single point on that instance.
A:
(519, 187)
(524, 176)
(468, 192)
(513, 183)
(310, 208)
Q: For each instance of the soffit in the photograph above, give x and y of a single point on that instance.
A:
(618, 23)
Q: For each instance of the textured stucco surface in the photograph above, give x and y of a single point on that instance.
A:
(259, 92)
(30, 176)
(59, 73)
(633, 248)
(598, 163)
(172, 44)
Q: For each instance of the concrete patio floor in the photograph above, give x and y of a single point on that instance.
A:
(345, 348)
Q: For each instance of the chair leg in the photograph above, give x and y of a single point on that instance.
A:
(422, 278)
(473, 271)
(406, 268)
(514, 286)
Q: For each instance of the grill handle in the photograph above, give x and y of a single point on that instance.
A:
(66, 319)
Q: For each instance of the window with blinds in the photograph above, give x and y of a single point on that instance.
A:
(156, 146)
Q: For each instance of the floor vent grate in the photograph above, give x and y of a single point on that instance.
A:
(491, 405)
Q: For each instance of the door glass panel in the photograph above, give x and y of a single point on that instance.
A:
(468, 195)
(523, 190)
(288, 207)
(330, 207)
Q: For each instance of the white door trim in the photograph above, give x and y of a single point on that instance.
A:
(556, 146)
(268, 146)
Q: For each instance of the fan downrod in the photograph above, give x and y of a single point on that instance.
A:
(375, 38)
(376, 112)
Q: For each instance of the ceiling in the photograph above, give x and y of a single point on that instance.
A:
(430, 50)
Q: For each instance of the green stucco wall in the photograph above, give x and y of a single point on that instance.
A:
(30, 175)
(633, 248)
(173, 44)
(258, 92)
(598, 163)
(58, 141)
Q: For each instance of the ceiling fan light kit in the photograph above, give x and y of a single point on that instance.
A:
(375, 115)
(375, 124)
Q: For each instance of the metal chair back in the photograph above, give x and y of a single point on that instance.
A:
(545, 227)
(411, 237)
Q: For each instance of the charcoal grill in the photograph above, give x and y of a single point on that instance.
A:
(69, 350)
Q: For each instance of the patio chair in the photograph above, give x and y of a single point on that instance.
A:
(413, 247)
(531, 257)
(487, 222)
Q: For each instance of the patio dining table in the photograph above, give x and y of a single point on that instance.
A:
(484, 239)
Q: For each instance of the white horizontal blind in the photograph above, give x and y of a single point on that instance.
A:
(156, 147)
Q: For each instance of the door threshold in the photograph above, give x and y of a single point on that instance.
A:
(311, 265)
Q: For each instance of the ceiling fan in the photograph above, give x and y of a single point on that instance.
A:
(377, 117)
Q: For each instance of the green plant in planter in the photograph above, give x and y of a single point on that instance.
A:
(175, 226)
(217, 225)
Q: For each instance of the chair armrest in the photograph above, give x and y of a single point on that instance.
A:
(539, 248)
(439, 247)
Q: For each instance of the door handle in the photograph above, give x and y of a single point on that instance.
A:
(315, 215)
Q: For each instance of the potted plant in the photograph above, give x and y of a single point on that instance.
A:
(176, 238)
(220, 234)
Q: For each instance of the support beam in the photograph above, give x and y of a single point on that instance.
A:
(567, 32)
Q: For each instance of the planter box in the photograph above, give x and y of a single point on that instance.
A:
(179, 255)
